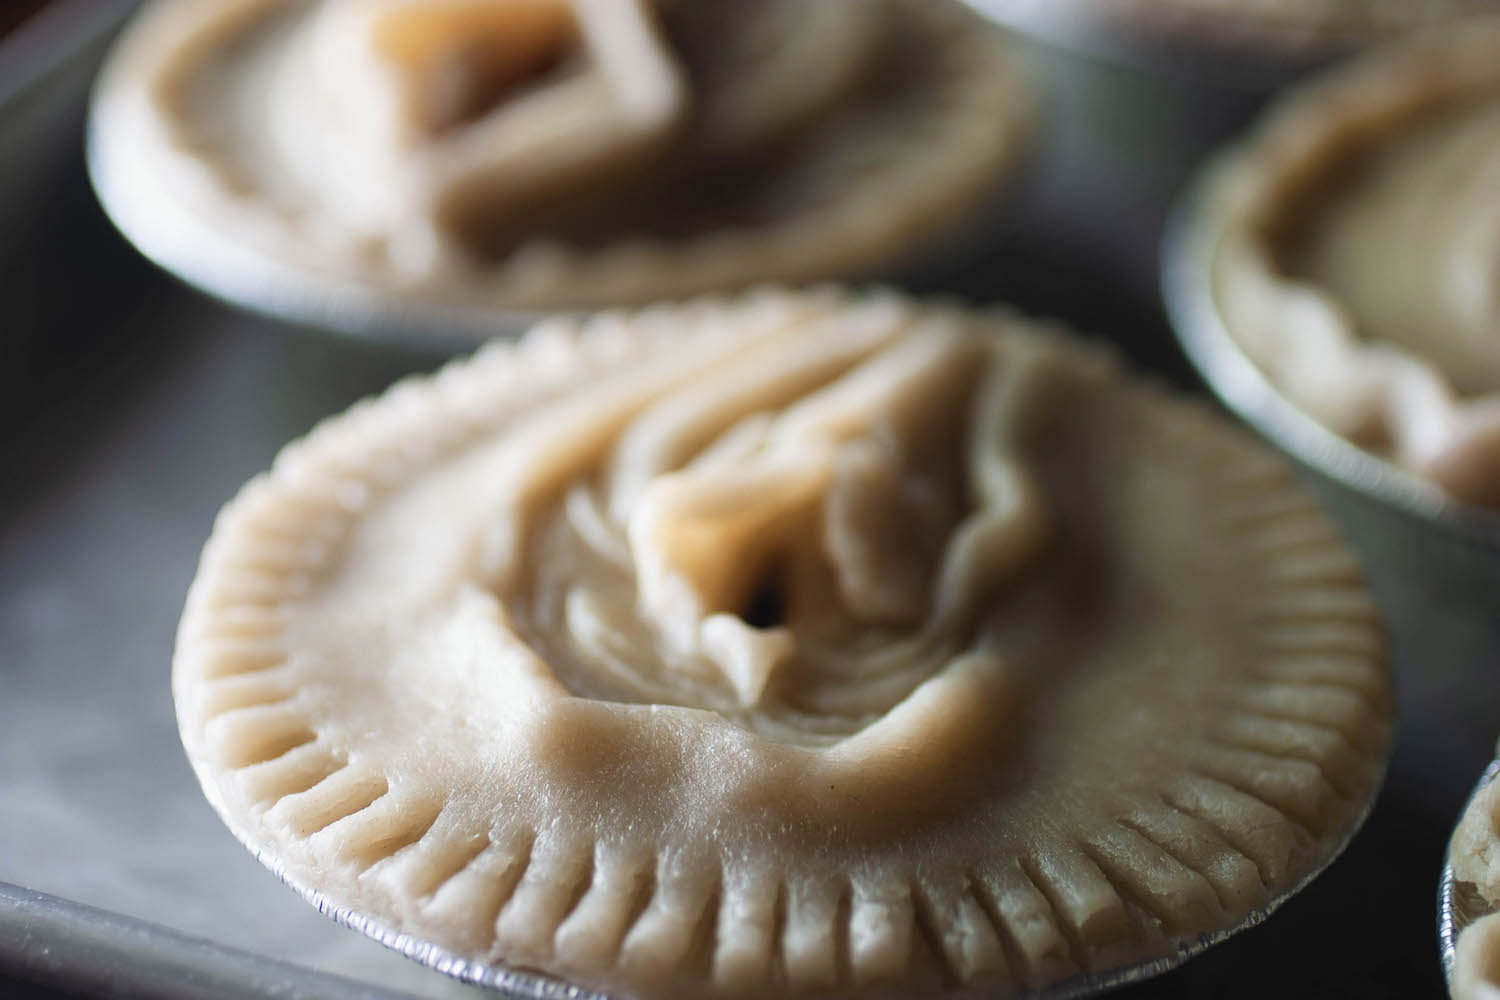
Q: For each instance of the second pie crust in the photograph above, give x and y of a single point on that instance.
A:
(1378, 393)
(878, 184)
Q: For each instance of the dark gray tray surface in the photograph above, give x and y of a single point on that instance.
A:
(134, 408)
(43, 938)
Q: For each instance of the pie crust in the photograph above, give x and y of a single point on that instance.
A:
(795, 642)
(1354, 246)
(534, 154)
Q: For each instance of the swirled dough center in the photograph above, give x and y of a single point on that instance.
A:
(795, 535)
(789, 540)
(1410, 245)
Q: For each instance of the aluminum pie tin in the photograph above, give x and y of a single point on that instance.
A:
(1459, 903)
(1192, 236)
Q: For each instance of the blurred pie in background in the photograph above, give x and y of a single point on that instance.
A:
(1353, 242)
(540, 153)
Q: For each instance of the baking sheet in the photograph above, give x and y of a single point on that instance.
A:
(134, 407)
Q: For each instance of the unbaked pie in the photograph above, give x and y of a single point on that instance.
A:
(532, 154)
(797, 642)
(1355, 254)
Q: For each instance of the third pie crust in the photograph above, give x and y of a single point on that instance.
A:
(1474, 855)
(1354, 245)
(658, 148)
(799, 642)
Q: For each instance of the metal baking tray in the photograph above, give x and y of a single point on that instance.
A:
(134, 407)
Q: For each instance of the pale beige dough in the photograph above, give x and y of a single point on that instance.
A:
(1475, 849)
(1476, 962)
(1354, 241)
(800, 642)
(528, 154)
(1410, 246)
